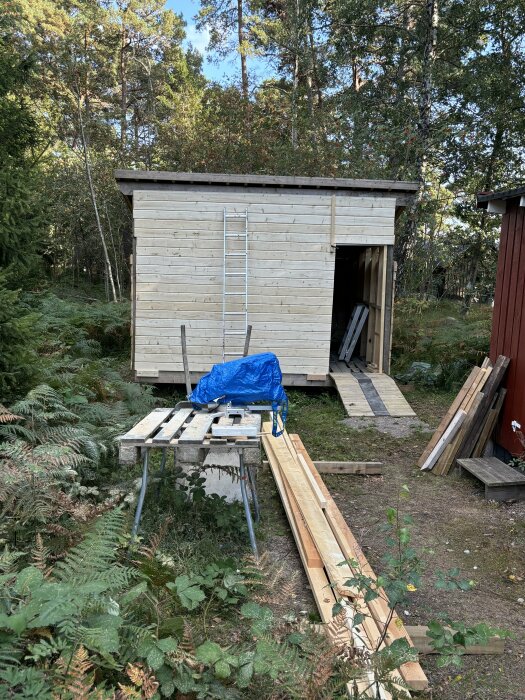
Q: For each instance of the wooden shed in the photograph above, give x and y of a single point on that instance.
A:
(508, 321)
(289, 256)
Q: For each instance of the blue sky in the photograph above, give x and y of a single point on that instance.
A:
(228, 68)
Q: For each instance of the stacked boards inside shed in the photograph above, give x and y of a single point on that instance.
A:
(469, 423)
(332, 557)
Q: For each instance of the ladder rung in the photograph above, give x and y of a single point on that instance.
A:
(235, 294)
(234, 332)
(235, 255)
(236, 235)
(236, 215)
(235, 274)
(241, 354)
(234, 313)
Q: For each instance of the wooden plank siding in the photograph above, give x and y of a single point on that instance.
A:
(178, 266)
(508, 326)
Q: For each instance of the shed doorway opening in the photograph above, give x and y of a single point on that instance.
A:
(360, 277)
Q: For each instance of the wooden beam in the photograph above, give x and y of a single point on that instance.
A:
(350, 468)
(418, 635)
(455, 406)
(411, 672)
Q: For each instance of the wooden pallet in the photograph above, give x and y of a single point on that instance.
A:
(502, 483)
(183, 426)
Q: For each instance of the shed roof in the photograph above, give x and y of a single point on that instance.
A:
(484, 198)
(129, 180)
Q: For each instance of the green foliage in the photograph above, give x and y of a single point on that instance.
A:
(450, 639)
(438, 332)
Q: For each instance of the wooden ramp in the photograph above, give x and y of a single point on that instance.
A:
(368, 393)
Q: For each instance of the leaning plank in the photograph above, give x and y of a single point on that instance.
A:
(172, 427)
(313, 516)
(493, 383)
(147, 426)
(352, 323)
(490, 424)
(455, 406)
(380, 611)
(451, 454)
(362, 468)
(444, 440)
(418, 634)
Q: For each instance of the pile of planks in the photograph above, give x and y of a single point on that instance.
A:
(469, 423)
(324, 542)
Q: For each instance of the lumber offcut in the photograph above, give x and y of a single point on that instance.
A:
(361, 468)
(418, 635)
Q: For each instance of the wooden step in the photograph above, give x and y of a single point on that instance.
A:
(501, 482)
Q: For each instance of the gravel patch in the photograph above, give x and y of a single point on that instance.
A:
(396, 427)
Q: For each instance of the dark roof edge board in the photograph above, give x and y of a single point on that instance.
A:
(340, 183)
(484, 197)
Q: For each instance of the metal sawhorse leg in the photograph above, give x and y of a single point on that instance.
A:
(142, 494)
(246, 476)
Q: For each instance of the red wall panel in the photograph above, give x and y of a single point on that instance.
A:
(508, 325)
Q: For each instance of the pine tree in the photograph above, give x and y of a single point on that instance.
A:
(20, 215)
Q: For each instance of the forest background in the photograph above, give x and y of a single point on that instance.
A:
(425, 90)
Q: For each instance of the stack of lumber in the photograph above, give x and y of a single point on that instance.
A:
(469, 423)
(324, 542)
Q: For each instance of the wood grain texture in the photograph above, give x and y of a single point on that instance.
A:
(411, 672)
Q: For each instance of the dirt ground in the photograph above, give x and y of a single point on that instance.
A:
(453, 524)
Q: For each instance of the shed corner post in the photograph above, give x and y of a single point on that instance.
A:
(388, 308)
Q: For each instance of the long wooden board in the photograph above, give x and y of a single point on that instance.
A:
(493, 383)
(411, 672)
(453, 409)
(490, 424)
(172, 427)
(449, 456)
(313, 516)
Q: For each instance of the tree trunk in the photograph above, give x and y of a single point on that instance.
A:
(242, 51)
(477, 246)
(94, 199)
(123, 93)
(424, 135)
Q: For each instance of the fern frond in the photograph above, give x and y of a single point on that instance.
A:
(149, 551)
(96, 553)
(7, 416)
(40, 556)
(77, 683)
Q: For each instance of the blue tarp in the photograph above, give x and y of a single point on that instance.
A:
(244, 381)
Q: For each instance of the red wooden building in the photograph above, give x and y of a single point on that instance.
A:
(508, 323)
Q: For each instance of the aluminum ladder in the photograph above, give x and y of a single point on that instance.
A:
(234, 284)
